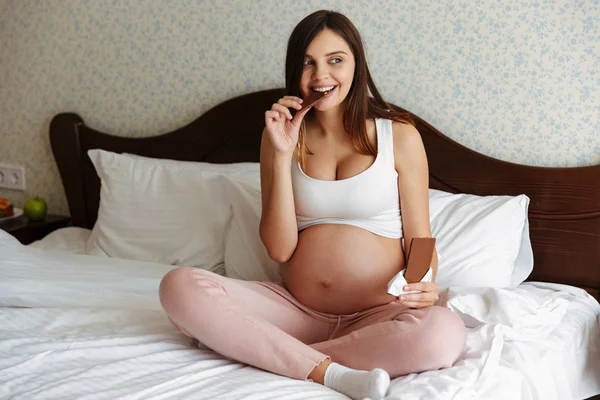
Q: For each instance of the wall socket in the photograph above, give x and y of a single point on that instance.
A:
(12, 177)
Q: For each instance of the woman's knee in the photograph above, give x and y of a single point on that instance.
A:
(446, 336)
(172, 286)
(436, 342)
(181, 287)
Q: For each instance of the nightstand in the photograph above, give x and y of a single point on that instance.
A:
(27, 231)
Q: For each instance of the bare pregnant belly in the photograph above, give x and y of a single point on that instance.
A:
(342, 269)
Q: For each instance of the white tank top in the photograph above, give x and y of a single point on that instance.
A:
(368, 200)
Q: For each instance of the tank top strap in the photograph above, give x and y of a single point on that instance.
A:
(385, 140)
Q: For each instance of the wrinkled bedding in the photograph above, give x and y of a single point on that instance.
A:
(77, 326)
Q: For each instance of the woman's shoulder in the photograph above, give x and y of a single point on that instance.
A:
(404, 131)
(407, 139)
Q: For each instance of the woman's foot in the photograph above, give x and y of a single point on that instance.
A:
(357, 384)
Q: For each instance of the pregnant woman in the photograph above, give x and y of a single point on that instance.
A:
(344, 191)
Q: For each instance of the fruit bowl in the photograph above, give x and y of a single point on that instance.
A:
(17, 212)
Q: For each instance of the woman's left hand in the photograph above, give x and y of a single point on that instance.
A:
(429, 295)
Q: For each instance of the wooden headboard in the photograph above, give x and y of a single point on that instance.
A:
(565, 202)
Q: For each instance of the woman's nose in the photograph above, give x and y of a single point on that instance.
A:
(320, 71)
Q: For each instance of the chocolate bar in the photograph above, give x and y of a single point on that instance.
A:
(311, 99)
(419, 259)
(418, 267)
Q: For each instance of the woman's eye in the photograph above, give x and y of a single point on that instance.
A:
(336, 60)
(308, 62)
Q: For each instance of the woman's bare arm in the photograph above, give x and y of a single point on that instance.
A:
(413, 185)
(278, 227)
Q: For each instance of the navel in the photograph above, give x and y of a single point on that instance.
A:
(325, 283)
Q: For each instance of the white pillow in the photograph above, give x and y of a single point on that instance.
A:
(245, 255)
(483, 241)
(162, 211)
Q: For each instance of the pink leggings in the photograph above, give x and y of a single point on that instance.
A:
(263, 325)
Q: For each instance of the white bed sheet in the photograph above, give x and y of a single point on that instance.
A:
(70, 239)
(77, 326)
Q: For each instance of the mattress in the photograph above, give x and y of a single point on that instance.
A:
(77, 326)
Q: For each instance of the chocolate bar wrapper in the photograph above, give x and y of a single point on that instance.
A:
(396, 285)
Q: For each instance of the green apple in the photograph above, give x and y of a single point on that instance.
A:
(35, 209)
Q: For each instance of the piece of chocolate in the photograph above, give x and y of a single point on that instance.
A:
(419, 259)
(311, 99)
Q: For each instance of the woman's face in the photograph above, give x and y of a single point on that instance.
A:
(328, 66)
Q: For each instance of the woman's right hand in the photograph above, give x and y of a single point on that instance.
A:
(282, 128)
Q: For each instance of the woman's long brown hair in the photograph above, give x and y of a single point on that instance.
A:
(359, 105)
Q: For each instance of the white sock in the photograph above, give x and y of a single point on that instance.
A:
(356, 384)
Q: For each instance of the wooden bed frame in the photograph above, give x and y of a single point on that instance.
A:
(565, 202)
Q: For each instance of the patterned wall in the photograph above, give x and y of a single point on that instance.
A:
(517, 80)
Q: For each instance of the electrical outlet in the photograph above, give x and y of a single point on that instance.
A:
(12, 177)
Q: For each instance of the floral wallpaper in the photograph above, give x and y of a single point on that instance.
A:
(517, 80)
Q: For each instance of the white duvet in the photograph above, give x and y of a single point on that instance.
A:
(77, 326)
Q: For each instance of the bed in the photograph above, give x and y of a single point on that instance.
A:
(81, 326)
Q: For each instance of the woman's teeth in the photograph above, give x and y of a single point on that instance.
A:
(324, 89)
